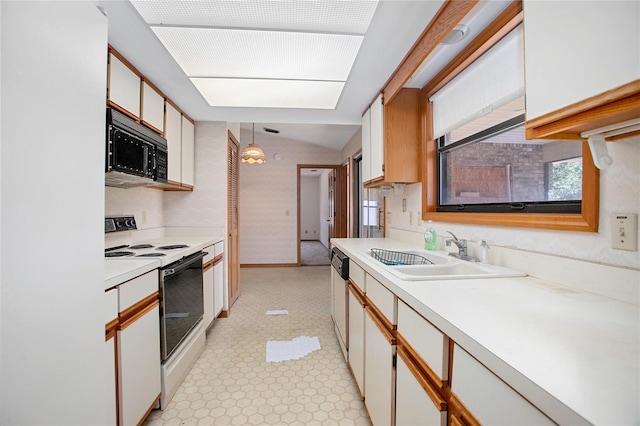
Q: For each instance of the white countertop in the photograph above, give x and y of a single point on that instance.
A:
(573, 354)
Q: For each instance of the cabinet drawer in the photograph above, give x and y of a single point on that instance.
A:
(487, 397)
(427, 341)
(382, 298)
(356, 274)
(133, 291)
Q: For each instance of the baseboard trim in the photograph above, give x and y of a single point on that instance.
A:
(268, 265)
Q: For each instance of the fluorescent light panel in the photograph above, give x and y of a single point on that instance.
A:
(260, 54)
(256, 93)
(270, 50)
(333, 16)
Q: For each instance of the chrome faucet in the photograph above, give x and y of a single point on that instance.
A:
(462, 248)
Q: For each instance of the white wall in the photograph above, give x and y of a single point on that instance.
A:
(268, 198)
(52, 174)
(309, 208)
(619, 192)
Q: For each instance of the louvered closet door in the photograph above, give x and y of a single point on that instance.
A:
(233, 253)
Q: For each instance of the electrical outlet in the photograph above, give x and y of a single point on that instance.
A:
(410, 218)
(143, 217)
(388, 217)
(419, 218)
(624, 231)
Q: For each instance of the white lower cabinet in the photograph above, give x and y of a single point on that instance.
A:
(487, 398)
(208, 295)
(378, 370)
(356, 335)
(139, 365)
(218, 286)
(138, 340)
(110, 355)
(417, 403)
(213, 284)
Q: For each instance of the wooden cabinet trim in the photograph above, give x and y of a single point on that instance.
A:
(131, 314)
(210, 264)
(421, 364)
(424, 382)
(510, 18)
(110, 329)
(613, 106)
(445, 20)
(357, 293)
(380, 322)
(462, 415)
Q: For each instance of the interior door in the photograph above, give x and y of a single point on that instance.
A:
(233, 253)
(332, 202)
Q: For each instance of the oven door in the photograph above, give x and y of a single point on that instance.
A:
(182, 301)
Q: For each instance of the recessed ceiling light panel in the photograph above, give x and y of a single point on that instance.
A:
(260, 54)
(329, 16)
(221, 92)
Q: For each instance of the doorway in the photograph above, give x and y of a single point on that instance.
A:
(321, 211)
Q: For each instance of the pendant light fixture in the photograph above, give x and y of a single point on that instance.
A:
(253, 154)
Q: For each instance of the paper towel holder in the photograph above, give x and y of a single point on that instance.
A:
(597, 140)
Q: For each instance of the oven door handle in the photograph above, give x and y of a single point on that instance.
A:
(183, 263)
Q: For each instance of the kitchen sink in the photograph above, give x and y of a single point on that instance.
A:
(444, 267)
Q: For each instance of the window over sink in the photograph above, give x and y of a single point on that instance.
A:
(478, 165)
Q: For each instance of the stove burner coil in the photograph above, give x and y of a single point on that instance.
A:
(151, 255)
(141, 246)
(118, 253)
(173, 247)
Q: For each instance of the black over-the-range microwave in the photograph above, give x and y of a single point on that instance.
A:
(135, 155)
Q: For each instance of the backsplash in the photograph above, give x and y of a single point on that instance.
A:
(145, 204)
(619, 192)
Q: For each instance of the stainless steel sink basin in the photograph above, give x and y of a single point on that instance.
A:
(445, 267)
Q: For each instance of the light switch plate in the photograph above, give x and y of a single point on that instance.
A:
(624, 231)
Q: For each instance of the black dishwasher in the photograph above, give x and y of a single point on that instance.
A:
(340, 298)
(340, 262)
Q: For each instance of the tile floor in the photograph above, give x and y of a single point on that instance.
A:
(232, 384)
(313, 253)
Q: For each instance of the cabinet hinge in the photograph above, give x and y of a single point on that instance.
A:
(383, 167)
(394, 362)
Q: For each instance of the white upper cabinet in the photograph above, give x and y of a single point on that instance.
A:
(575, 50)
(124, 86)
(366, 146)
(152, 107)
(373, 141)
(377, 139)
(173, 135)
(188, 152)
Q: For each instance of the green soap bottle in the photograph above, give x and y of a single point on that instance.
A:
(430, 237)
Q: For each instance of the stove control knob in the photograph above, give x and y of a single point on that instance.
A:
(130, 223)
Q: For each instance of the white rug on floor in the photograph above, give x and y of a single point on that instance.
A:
(285, 350)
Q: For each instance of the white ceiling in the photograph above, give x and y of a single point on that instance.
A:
(394, 28)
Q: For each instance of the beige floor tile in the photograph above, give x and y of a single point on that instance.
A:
(232, 384)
